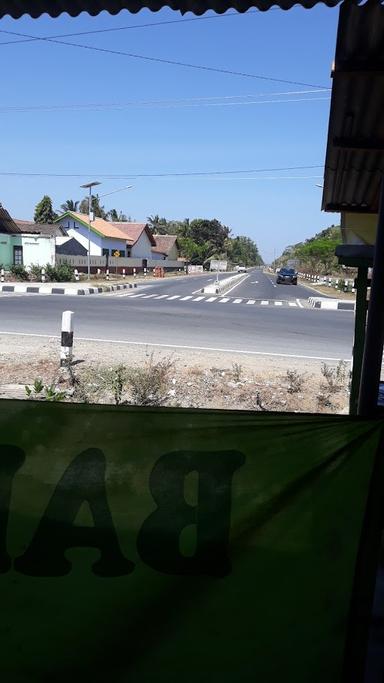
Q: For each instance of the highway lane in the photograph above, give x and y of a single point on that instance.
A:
(256, 285)
(175, 323)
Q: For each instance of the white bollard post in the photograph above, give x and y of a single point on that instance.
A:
(2, 275)
(123, 272)
(77, 275)
(153, 271)
(134, 272)
(107, 274)
(98, 271)
(43, 275)
(66, 337)
(145, 272)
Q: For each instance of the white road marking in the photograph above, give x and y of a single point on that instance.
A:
(198, 298)
(185, 298)
(237, 284)
(278, 303)
(163, 296)
(255, 282)
(299, 303)
(176, 346)
(135, 296)
(224, 300)
(237, 301)
(251, 301)
(211, 298)
(175, 296)
(148, 296)
(292, 303)
(264, 303)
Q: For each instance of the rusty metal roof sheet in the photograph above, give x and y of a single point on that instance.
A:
(7, 224)
(354, 163)
(16, 8)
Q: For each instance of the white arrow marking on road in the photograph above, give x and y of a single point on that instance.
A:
(251, 301)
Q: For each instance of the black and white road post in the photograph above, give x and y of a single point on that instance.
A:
(107, 274)
(134, 272)
(66, 337)
(77, 275)
(2, 275)
(43, 275)
(124, 273)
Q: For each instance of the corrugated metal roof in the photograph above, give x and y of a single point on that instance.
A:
(16, 8)
(7, 224)
(354, 163)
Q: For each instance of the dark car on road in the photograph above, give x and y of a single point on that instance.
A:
(286, 276)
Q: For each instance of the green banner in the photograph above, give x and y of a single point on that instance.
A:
(141, 545)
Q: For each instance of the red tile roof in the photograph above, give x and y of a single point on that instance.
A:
(165, 242)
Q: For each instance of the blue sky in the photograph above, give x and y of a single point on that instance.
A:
(297, 45)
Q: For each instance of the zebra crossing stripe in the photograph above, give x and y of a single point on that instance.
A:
(198, 298)
(135, 296)
(185, 298)
(224, 300)
(278, 303)
(148, 296)
(264, 303)
(292, 303)
(251, 301)
(175, 296)
(163, 296)
(211, 298)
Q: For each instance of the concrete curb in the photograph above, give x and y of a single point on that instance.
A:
(223, 285)
(55, 289)
(331, 304)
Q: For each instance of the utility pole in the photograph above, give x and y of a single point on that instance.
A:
(90, 217)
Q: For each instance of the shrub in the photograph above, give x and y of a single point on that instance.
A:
(149, 383)
(295, 381)
(335, 378)
(35, 271)
(60, 273)
(19, 272)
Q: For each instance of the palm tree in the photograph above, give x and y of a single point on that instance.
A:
(158, 225)
(69, 205)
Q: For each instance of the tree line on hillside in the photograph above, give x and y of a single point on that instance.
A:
(316, 254)
(200, 240)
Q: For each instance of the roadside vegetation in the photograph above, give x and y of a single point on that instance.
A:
(60, 273)
(316, 255)
(167, 381)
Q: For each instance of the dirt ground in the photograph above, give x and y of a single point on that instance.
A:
(139, 375)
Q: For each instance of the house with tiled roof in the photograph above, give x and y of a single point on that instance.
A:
(167, 245)
(107, 238)
(24, 243)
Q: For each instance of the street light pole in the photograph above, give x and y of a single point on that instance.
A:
(90, 186)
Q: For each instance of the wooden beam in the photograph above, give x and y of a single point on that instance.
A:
(361, 144)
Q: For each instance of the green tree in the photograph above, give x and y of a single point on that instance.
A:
(69, 205)
(202, 230)
(116, 216)
(97, 209)
(44, 212)
(159, 226)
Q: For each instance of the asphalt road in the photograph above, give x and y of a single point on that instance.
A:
(286, 329)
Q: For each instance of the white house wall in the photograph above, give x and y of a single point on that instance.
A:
(98, 243)
(38, 250)
(142, 248)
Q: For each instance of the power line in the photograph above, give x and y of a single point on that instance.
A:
(136, 26)
(134, 176)
(225, 101)
(159, 60)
